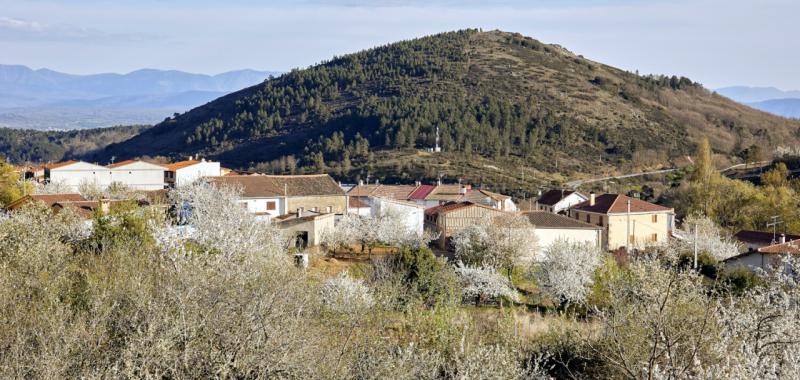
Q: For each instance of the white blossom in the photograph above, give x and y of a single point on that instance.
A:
(566, 271)
(343, 294)
(484, 283)
(710, 238)
(499, 242)
(220, 224)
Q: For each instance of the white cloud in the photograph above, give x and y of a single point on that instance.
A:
(14, 29)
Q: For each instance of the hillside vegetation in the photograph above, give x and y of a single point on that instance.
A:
(25, 145)
(493, 95)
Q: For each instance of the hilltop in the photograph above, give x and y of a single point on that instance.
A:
(507, 104)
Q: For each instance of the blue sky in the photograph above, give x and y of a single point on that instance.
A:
(716, 42)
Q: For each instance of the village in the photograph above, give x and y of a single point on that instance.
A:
(310, 208)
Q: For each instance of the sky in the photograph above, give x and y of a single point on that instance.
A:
(716, 42)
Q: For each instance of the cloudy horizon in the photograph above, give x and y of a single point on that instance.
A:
(718, 43)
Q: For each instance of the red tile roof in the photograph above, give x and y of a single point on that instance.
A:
(261, 186)
(421, 192)
(48, 199)
(790, 247)
(355, 202)
(180, 165)
(617, 204)
(394, 191)
(60, 164)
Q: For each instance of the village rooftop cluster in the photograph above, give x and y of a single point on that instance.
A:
(306, 206)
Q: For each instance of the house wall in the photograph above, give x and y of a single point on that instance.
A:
(259, 207)
(413, 216)
(338, 203)
(140, 176)
(643, 229)
(449, 223)
(757, 260)
(361, 211)
(189, 174)
(567, 202)
(547, 236)
(509, 205)
(315, 228)
(79, 173)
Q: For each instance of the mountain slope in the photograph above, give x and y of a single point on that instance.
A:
(782, 107)
(82, 101)
(495, 96)
(745, 94)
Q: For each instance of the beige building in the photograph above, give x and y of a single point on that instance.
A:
(449, 218)
(626, 221)
(305, 228)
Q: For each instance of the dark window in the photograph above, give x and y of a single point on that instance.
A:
(271, 206)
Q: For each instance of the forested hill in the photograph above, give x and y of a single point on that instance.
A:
(493, 95)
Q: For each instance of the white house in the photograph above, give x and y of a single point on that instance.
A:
(556, 201)
(139, 175)
(356, 206)
(413, 215)
(73, 174)
(767, 259)
(186, 172)
(549, 227)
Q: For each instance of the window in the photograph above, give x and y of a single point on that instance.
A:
(655, 218)
(600, 221)
(271, 206)
(244, 205)
(654, 237)
(588, 218)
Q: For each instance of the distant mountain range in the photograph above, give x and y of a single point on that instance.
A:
(47, 99)
(767, 99)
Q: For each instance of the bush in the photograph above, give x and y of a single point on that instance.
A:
(707, 265)
(739, 280)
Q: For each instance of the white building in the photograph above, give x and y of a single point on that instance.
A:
(356, 206)
(549, 227)
(413, 215)
(767, 259)
(269, 196)
(556, 201)
(73, 174)
(138, 175)
(186, 172)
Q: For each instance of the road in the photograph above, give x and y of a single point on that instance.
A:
(578, 182)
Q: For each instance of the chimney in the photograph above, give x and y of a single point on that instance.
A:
(783, 238)
(591, 198)
(468, 187)
(361, 182)
(463, 190)
(299, 212)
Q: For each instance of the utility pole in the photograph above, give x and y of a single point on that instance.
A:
(695, 246)
(628, 229)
